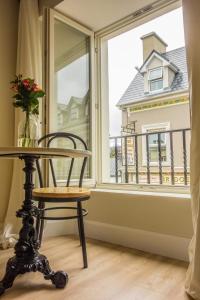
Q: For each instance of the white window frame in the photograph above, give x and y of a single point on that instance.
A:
(101, 37)
(48, 53)
(156, 127)
(157, 90)
(160, 78)
(154, 69)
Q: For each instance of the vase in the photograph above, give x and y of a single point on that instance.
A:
(28, 131)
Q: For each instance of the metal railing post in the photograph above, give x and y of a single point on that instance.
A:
(148, 159)
(169, 149)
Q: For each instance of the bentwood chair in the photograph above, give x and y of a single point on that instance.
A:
(67, 194)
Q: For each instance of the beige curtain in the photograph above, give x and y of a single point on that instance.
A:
(191, 11)
(29, 64)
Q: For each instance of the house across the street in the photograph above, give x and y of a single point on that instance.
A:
(157, 102)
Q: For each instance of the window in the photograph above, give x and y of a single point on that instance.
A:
(69, 87)
(74, 113)
(136, 144)
(118, 49)
(156, 85)
(153, 143)
(156, 79)
(155, 73)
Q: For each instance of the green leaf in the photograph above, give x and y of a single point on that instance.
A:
(17, 96)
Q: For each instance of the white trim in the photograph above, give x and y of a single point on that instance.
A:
(157, 90)
(135, 19)
(166, 63)
(72, 23)
(155, 97)
(51, 16)
(87, 182)
(154, 69)
(152, 242)
(103, 118)
(161, 194)
(161, 244)
(56, 228)
(143, 188)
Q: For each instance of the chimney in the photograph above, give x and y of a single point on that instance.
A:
(152, 41)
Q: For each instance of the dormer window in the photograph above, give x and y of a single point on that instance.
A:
(155, 79)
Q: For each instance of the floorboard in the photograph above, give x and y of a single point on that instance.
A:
(114, 273)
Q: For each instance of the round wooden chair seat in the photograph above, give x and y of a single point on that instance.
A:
(60, 192)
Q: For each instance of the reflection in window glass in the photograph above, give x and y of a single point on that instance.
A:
(69, 111)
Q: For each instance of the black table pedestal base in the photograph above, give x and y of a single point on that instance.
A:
(16, 266)
(27, 258)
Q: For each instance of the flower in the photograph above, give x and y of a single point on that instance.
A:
(26, 95)
(35, 87)
(26, 82)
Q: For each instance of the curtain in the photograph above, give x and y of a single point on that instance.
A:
(191, 13)
(29, 64)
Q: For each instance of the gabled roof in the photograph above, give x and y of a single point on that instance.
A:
(135, 91)
(74, 100)
(166, 62)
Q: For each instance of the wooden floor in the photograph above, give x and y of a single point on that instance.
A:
(114, 273)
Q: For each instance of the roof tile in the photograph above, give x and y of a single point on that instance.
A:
(135, 91)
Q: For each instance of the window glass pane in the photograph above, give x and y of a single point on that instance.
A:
(154, 156)
(69, 109)
(155, 73)
(153, 144)
(127, 111)
(156, 85)
(153, 138)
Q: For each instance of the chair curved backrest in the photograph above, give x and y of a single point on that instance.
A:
(73, 139)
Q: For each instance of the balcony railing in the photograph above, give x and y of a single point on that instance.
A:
(160, 157)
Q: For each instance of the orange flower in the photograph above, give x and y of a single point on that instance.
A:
(35, 87)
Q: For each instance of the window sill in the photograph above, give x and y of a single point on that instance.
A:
(156, 164)
(143, 193)
(87, 182)
(156, 190)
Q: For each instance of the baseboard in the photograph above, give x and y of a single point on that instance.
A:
(165, 245)
(162, 244)
(56, 228)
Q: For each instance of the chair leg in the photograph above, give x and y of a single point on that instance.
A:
(82, 234)
(79, 227)
(40, 224)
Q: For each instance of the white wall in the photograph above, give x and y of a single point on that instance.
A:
(153, 212)
(157, 223)
(154, 222)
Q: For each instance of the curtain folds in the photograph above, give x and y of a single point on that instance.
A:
(29, 64)
(191, 13)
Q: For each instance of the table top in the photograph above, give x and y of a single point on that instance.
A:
(12, 152)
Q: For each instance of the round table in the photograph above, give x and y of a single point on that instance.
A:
(27, 257)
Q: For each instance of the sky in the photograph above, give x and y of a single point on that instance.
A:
(73, 80)
(125, 53)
